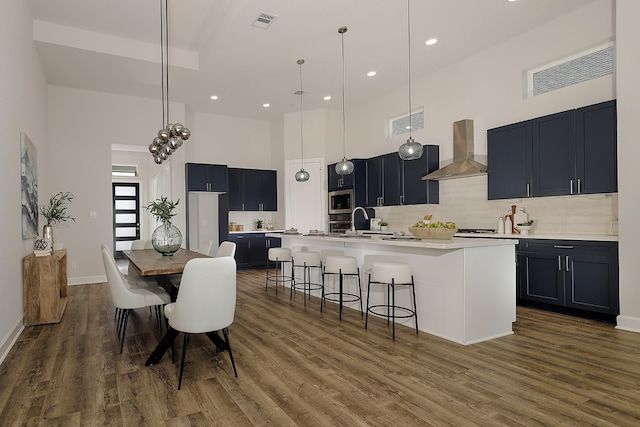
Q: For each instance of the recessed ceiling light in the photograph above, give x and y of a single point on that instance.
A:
(327, 98)
(431, 41)
(266, 105)
(214, 97)
(371, 73)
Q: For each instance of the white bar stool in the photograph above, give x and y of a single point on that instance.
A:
(278, 257)
(342, 266)
(391, 274)
(306, 261)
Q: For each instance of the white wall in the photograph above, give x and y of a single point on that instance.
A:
(23, 107)
(628, 70)
(82, 127)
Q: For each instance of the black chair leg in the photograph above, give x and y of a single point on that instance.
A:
(124, 329)
(184, 354)
(225, 332)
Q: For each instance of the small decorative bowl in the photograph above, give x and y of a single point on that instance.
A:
(433, 233)
(524, 229)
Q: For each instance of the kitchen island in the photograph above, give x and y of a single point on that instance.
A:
(465, 288)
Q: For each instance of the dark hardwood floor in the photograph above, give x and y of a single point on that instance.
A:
(300, 367)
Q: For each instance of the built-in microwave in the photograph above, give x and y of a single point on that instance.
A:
(341, 202)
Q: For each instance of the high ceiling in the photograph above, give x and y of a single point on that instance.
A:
(113, 46)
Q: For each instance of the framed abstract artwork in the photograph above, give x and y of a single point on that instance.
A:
(29, 184)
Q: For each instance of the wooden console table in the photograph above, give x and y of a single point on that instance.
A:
(45, 288)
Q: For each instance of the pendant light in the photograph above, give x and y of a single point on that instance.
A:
(410, 150)
(302, 175)
(344, 166)
(170, 136)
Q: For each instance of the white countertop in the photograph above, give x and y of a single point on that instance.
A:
(455, 243)
(549, 236)
(256, 231)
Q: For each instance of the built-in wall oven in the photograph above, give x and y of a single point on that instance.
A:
(340, 207)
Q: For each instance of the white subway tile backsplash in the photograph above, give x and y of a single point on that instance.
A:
(464, 201)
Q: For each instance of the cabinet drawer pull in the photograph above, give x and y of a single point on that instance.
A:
(566, 262)
(570, 186)
(528, 190)
(579, 186)
(563, 246)
(559, 263)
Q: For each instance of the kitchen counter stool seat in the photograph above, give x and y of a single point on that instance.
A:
(307, 261)
(392, 274)
(343, 266)
(278, 258)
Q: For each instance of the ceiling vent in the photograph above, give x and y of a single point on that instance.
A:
(264, 20)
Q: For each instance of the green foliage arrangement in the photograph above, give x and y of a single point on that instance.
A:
(162, 209)
(56, 211)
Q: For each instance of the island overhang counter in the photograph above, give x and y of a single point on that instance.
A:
(465, 288)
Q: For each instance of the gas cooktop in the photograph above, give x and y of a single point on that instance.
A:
(477, 230)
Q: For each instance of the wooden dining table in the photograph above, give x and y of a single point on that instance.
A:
(150, 262)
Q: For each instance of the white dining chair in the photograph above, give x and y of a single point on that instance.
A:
(133, 277)
(126, 296)
(226, 248)
(206, 303)
(205, 247)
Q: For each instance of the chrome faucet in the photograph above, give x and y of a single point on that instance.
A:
(353, 222)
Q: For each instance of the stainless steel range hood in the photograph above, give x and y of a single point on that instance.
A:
(463, 164)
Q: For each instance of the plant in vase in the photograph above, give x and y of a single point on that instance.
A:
(259, 223)
(55, 212)
(383, 225)
(166, 238)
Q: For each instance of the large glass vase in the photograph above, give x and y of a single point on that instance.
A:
(166, 239)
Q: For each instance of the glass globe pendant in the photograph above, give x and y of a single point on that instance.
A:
(344, 166)
(302, 175)
(410, 150)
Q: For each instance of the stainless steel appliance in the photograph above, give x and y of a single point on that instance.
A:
(341, 202)
(339, 223)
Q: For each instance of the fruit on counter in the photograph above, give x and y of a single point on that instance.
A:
(427, 217)
(437, 224)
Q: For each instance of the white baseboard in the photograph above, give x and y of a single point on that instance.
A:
(10, 340)
(628, 323)
(86, 280)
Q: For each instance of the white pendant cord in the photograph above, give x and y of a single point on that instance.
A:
(344, 126)
(300, 62)
(409, 67)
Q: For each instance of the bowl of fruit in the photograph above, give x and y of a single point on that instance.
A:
(437, 230)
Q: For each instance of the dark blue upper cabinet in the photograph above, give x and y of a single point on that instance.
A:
(383, 180)
(206, 177)
(509, 161)
(554, 155)
(572, 152)
(252, 190)
(596, 149)
(414, 190)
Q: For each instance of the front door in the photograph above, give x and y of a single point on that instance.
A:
(126, 216)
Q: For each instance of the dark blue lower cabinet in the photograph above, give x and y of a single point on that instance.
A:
(252, 249)
(575, 274)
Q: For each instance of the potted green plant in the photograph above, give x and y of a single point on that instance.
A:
(383, 225)
(55, 212)
(166, 238)
(259, 223)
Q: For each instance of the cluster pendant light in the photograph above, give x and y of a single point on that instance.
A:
(344, 166)
(171, 136)
(302, 175)
(410, 150)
